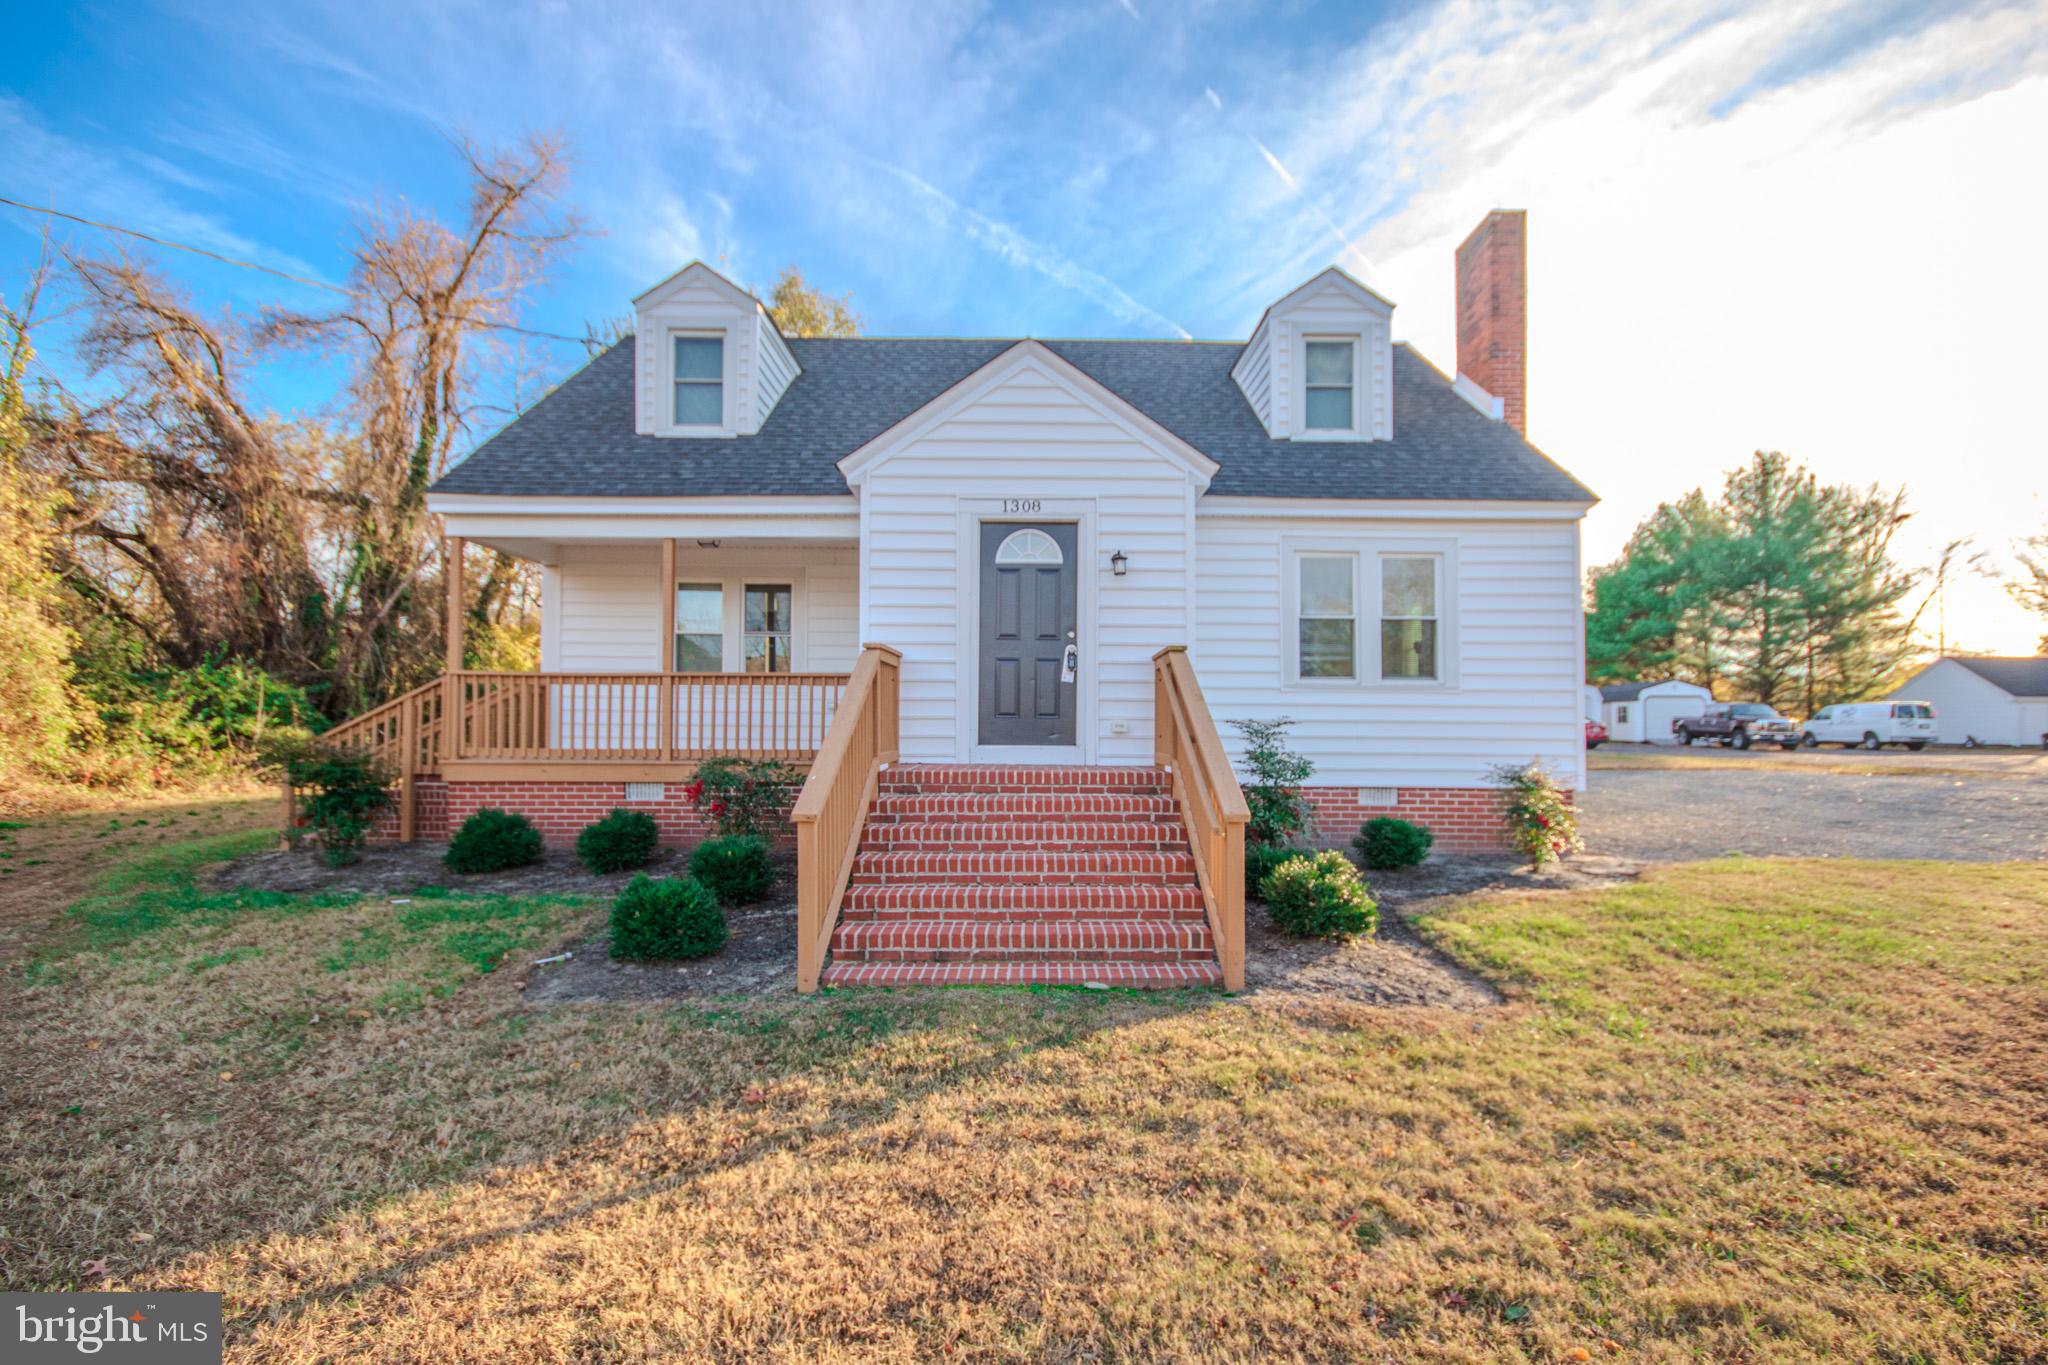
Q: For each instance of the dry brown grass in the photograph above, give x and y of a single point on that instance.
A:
(1750, 1110)
(50, 858)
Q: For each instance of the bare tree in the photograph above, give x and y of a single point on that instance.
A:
(207, 504)
(2029, 583)
(426, 305)
(303, 547)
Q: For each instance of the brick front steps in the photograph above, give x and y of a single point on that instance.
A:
(1016, 876)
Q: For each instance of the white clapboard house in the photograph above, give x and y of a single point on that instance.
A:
(1989, 700)
(999, 599)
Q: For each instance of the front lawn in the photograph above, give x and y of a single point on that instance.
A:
(1744, 1110)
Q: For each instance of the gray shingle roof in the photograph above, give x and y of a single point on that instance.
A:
(2020, 677)
(579, 441)
(1630, 691)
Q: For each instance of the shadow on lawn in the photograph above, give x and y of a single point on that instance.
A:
(840, 1071)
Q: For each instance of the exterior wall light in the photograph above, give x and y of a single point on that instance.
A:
(1117, 563)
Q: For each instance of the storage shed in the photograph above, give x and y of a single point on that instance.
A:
(1642, 712)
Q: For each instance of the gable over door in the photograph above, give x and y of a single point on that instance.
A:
(1029, 617)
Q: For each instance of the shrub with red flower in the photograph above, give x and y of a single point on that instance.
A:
(1543, 824)
(743, 797)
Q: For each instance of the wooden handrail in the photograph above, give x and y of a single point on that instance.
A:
(1212, 805)
(404, 733)
(405, 736)
(833, 805)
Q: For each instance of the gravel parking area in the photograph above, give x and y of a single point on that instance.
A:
(1762, 807)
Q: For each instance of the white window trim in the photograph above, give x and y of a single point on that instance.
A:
(725, 426)
(1356, 431)
(1366, 601)
(1437, 595)
(1294, 618)
(732, 585)
(766, 581)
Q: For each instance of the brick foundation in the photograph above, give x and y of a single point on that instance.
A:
(1463, 819)
(559, 810)
(430, 813)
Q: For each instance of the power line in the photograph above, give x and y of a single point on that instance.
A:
(252, 265)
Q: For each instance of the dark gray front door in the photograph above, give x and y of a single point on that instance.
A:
(1028, 623)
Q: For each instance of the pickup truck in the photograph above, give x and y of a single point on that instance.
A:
(1737, 724)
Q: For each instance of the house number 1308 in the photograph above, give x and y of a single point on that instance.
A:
(1020, 504)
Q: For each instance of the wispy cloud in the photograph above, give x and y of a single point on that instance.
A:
(1019, 250)
(1753, 222)
(127, 189)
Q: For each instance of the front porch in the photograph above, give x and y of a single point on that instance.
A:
(1129, 876)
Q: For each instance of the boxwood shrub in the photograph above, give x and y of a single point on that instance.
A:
(735, 866)
(493, 840)
(620, 842)
(1384, 842)
(667, 918)
(1320, 895)
(1259, 862)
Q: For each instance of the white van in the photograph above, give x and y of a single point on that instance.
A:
(1872, 724)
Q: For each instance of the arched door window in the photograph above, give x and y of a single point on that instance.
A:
(1029, 546)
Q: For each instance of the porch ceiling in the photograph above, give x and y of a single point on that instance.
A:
(537, 529)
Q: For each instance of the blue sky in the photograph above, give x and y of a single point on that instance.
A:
(1752, 223)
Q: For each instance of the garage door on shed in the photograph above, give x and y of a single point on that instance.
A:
(1659, 712)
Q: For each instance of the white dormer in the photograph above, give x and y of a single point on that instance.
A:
(710, 360)
(1320, 364)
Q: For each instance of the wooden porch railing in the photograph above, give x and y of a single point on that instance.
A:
(589, 718)
(404, 735)
(650, 717)
(834, 803)
(1184, 739)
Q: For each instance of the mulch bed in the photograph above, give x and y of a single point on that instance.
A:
(1395, 968)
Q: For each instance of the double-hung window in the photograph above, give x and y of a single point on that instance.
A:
(1332, 377)
(1327, 607)
(699, 380)
(766, 643)
(700, 628)
(1409, 636)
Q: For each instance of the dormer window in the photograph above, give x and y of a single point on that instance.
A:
(1332, 374)
(699, 380)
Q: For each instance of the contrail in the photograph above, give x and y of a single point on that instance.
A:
(1014, 247)
(1351, 249)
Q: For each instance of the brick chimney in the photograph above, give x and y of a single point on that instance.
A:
(1493, 306)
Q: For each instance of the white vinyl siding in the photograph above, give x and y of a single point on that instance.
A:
(776, 371)
(756, 365)
(1272, 371)
(608, 615)
(1254, 374)
(1966, 704)
(1029, 437)
(1513, 683)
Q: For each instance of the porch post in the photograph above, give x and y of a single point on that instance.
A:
(665, 650)
(451, 675)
